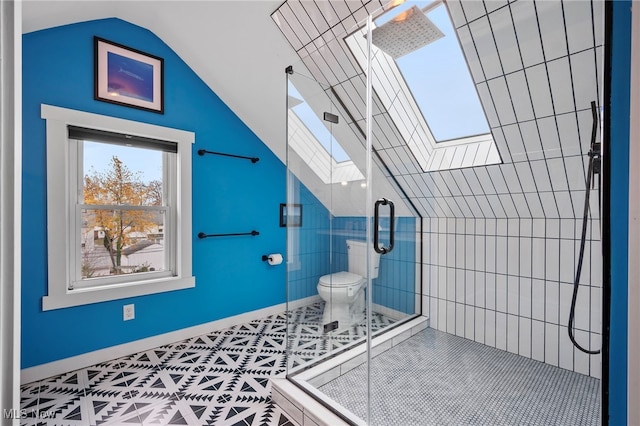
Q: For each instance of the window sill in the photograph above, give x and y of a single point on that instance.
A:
(103, 294)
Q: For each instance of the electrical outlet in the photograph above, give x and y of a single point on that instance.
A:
(128, 312)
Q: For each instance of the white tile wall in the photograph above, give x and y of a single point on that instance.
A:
(508, 283)
(503, 238)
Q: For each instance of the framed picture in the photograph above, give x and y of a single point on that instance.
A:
(291, 215)
(128, 76)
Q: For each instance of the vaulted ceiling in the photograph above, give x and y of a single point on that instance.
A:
(536, 66)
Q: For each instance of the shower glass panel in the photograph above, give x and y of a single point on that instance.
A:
(353, 245)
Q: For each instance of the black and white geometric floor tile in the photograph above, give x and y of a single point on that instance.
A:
(221, 378)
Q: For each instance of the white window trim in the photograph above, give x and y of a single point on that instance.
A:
(58, 209)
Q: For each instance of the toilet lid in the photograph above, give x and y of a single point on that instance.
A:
(340, 279)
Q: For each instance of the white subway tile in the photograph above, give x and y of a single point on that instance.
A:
(513, 295)
(451, 317)
(596, 263)
(490, 288)
(460, 312)
(596, 309)
(442, 315)
(451, 225)
(460, 251)
(491, 226)
(460, 286)
(501, 255)
(480, 293)
(566, 292)
(583, 311)
(538, 299)
(470, 287)
(524, 338)
(596, 360)
(501, 293)
(568, 256)
(490, 328)
(568, 226)
(479, 325)
(451, 250)
(585, 273)
(552, 259)
(552, 302)
(551, 344)
(490, 258)
(479, 258)
(539, 228)
(553, 228)
(501, 331)
(513, 256)
(513, 334)
(538, 258)
(469, 322)
(451, 284)
(566, 349)
(433, 313)
(502, 227)
(525, 257)
(442, 282)
(525, 298)
(537, 340)
(469, 252)
(526, 225)
(581, 359)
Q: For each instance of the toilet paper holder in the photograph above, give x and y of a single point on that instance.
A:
(272, 259)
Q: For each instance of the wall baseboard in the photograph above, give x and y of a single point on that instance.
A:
(54, 368)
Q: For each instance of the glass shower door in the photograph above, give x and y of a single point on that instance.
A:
(352, 246)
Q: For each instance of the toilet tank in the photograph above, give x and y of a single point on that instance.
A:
(357, 251)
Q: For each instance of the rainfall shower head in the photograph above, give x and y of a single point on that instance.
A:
(407, 32)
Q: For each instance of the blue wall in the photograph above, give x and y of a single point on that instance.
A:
(229, 195)
(619, 198)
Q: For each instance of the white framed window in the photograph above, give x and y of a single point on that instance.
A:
(118, 208)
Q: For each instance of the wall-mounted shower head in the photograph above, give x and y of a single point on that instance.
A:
(407, 32)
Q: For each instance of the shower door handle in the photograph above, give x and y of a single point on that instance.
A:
(376, 229)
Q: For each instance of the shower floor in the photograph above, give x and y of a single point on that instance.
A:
(434, 378)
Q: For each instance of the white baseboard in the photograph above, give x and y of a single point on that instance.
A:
(54, 368)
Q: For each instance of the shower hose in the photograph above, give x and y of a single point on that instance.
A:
(592, 170)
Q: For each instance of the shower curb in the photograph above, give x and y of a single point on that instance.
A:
(294, 394)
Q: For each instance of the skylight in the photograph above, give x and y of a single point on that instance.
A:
(316, 126)
(315, 144)
(439, 80)
(440, 119)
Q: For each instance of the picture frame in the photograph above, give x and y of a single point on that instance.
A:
(290, 215)
(127, 76)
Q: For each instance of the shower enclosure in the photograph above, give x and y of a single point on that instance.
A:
(476, 220)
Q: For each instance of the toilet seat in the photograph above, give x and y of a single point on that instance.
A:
(339, 279)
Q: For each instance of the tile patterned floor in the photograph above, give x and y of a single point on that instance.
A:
(221, 378)
(449, 380)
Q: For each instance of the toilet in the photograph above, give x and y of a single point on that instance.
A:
(343, 292)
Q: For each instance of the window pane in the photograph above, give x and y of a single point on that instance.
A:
(122, 175)
(116, 242)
